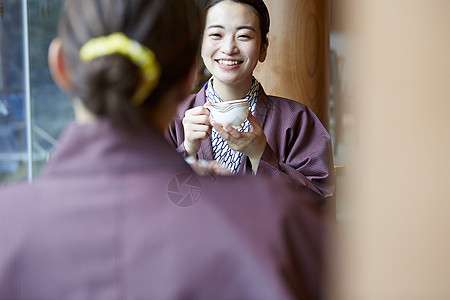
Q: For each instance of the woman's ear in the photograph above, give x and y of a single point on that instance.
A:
(58, 67)
(263, 53)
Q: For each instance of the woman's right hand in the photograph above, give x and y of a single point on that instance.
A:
(196, 128)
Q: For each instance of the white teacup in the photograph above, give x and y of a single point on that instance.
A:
(232, 112)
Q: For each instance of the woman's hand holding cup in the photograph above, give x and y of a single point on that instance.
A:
(252, 143)
(197, 128)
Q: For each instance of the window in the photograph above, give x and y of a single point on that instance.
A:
(33, 111)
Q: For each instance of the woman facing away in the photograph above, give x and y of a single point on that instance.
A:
(281, 137)
(117, 213)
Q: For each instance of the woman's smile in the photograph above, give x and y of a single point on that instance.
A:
(228, 62)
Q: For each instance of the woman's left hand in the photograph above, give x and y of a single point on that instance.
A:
(250, 143)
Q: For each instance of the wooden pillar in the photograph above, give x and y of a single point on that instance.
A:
(297, 65)
(397, 234)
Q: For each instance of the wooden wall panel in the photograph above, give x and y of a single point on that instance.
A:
(297, 65)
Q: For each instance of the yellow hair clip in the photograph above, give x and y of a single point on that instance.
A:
(140, 55)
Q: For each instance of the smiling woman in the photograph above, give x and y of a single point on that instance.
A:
(281, 137)
(120, 208)
(232, 47)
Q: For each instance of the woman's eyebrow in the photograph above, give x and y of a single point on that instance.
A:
(215, 26)
(246, 27)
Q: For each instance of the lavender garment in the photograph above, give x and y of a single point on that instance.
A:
(298, 146)
(101, 224)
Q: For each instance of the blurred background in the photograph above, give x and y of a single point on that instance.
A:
(396, 240)
(377, 73)
(33, 111)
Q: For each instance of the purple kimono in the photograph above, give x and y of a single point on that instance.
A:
(298, 146)
(116, 216)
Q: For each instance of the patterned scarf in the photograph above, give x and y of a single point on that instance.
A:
(222, 152)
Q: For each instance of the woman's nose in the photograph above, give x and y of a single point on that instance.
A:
(229, 46)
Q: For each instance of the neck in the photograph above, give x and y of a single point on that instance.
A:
(158, 118)
(82, 114)
(228, 92)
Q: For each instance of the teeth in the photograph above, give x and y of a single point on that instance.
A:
(228, 62)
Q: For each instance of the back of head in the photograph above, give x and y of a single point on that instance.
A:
(107, 84)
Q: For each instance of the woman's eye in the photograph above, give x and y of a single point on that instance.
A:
(215, 35)
(244, 37)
